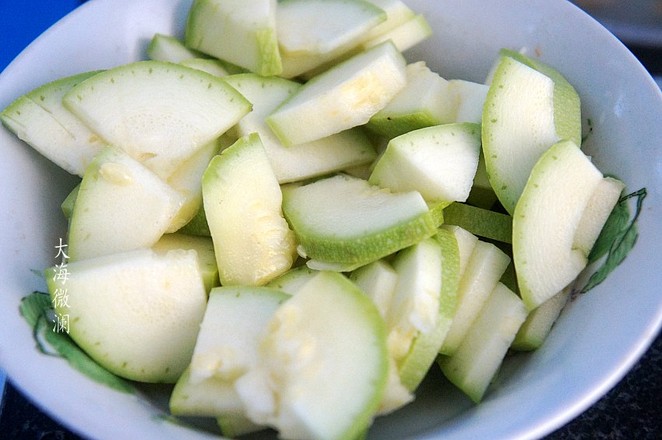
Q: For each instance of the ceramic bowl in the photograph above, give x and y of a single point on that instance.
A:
(598, 337)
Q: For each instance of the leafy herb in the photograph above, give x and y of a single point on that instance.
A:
(37, 310)
(617, 238)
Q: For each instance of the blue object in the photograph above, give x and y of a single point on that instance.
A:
(22, 21)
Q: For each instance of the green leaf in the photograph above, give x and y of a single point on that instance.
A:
(614, 227)
(617, 238)
(37, 310)
(32, 307)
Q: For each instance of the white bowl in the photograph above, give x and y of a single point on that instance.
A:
(598, 337)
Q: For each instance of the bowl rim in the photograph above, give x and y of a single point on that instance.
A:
(51, 407)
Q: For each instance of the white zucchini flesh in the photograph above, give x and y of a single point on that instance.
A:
(600, 205)
(293, 280)
(160, 113)
(345, 221)
(478, 358)
(470, 98)
(337, 152)
(242, 202)
(169, 48)
(186, 179)
(528, 107)
(327, 340)
(518, 125)
(539, 322)
(136, 313)
(415, 305)
(397, 12)
(439, 162)
(424, 348)
(423, 102)
(227, 346)
(211, 66)
(343, 97)
(406, 35)
(322, 26)
(378, 281)
(236, 31)
(546, 220)
(121, 205)
(40, 119)
(309, 66)
(203, 246)
(484, 270)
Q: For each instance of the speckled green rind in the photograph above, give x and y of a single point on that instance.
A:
(351, 251)
(546, 219)
(40, 119)
(425, 347)
(482, 222)
(351, 355)
(188, 109)
(566, 99)
(475, 363)
(528, 108)
(223, 29)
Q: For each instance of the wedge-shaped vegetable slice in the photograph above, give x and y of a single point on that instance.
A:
(378, 281)
(600, 206)
(466, 243)
(343, 222)
(322, 26)
(343, 97)
(309, 66)
(293, 280)
(39, 119)
(297, 162)
(164, 47)
(529, 107)
(424, 348)
(470, 100)
(406, 35)
(121, 205)
(439, 162)
(242, 203)
(414, 311)
(397, 12)
(136, 313)
(539, 322)
(423, 102)
(203, 246)
(241, 32)
(557, 199)
(186, 179)
(415, 305)
(212, 66)
(227, 346)
(484, 270)
(160, 113)
(478, 358)
(325, 358)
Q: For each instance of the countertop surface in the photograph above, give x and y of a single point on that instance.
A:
(631, 410)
